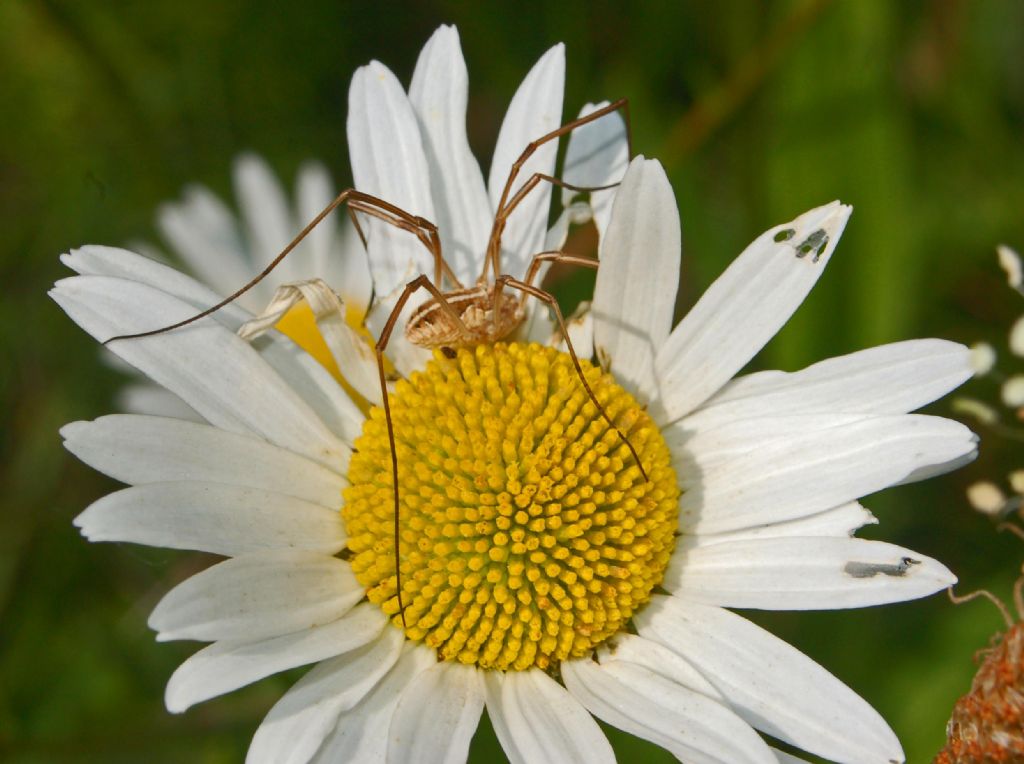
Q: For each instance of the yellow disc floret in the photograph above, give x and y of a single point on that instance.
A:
(528, 532)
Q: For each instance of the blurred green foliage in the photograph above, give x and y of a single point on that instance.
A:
(912, 112)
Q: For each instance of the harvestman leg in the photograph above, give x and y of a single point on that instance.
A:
(506, 205)
(527, 289)
(420, 282)
(420, 227)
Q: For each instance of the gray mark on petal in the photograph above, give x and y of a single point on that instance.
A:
(872, 569)
(815, 243)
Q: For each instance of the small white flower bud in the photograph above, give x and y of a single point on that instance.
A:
(983, 358)
(1009, 261)
(986, 497)
(1013, 391)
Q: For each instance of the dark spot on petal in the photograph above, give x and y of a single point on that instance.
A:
(785, 235)
(815, 243)
(872, 569)
(448, 352)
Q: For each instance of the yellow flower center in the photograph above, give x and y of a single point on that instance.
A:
(528, 532)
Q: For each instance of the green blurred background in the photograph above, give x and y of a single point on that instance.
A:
(911, 111)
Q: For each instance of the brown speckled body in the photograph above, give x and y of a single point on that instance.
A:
(987, 725)
(431, 326)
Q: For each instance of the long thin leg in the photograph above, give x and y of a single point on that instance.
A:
(493, 243)
(420, 282)
(547, 297)
(501, 218)
(557, 256)
(424, 230)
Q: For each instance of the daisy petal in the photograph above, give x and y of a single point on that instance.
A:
(597, 155)
(260, 595)
(202, 231)
(211, 517)
(298, 723)
(804, 574)
(535, 110)
(220, 376)
(691, 726)
(580, 327)
(657, 658)
(803, 474)
(314, 191)
(438, 93)
(633, 299)
(406, 357)
(145, 398)
(264, 206)
(744, 308)
(454, 693)
(300, 370)
(387, 157)
(226, 666)
(775, 687)
(842, 521)
(337, 257)
(889, 379)
(149, 449)
(361, 733)
(537, 720)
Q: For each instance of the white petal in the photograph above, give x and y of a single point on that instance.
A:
(301, 371)
(438, 94)
(147, 398)
(744, 308)
(657, 658)
(314, 191)
(146, 449)
(388, 162)
(261, 595)
(788, 478)
(203, 232)
(644, 703)
(804, 574)
(337, 257)
(535, 110)
(268, 222)
(226, 666)
(841, 522)
(454, 693)
(597, 155)
(361, 734)
(349, 350)
(580, 327)
(211, 517)
(775, 687)
(635, 292)
(406, 357)
(888, 379)
(537, 720)
(216, 373)
(298, 723)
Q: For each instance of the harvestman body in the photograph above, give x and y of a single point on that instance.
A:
(461, 316)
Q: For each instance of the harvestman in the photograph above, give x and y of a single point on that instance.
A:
(461, 316)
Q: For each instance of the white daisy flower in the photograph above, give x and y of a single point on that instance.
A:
(544, 576)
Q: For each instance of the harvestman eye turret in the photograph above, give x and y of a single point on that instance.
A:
(458, 317)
